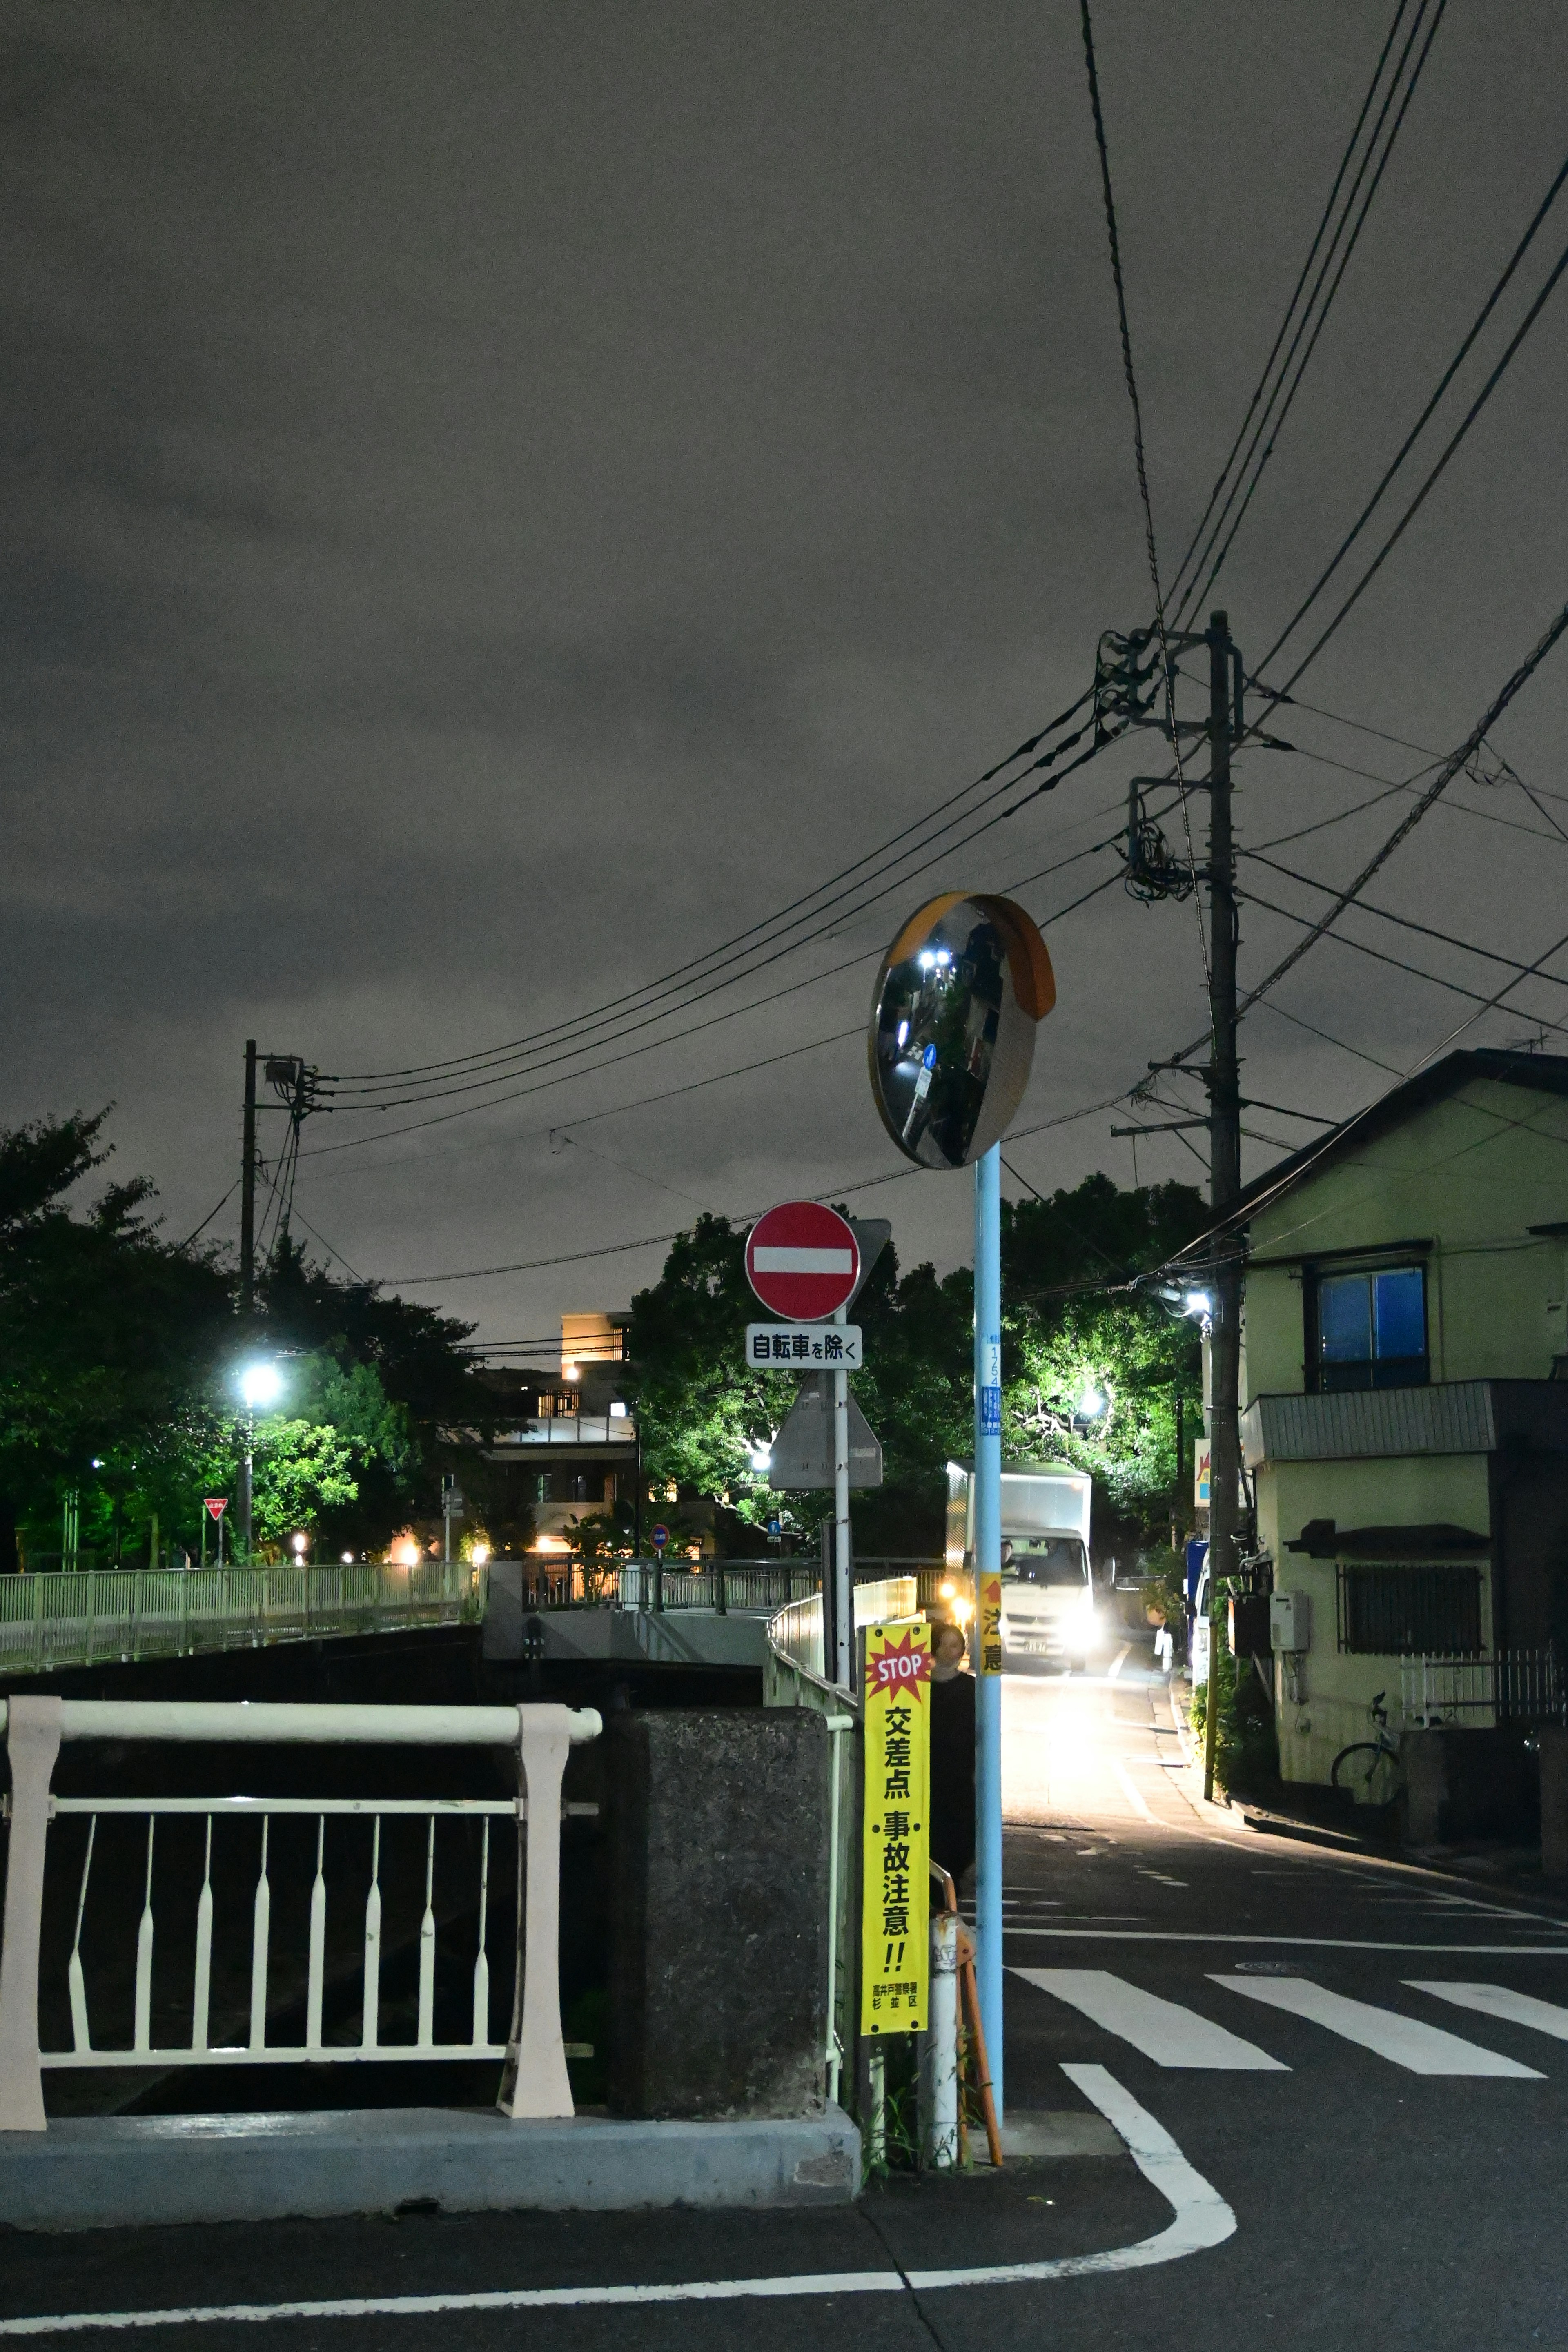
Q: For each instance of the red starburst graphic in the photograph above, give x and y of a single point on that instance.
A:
(900, 1665)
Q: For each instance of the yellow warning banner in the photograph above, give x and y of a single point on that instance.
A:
(894, 1936)
(988, 1624)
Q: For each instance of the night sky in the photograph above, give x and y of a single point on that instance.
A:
(500, 499)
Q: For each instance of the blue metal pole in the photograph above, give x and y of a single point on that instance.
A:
(988, 1561)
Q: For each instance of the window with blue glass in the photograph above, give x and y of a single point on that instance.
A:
(1370, 1328)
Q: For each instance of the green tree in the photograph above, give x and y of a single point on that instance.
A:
(704, 1411)
(111, 1341)
(1094, 1366)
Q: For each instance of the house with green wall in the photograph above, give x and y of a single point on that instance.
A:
(1405, 1397)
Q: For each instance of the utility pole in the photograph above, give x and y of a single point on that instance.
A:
(248, 1187)
(1225, 1168)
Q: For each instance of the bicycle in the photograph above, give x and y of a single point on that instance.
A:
(1369, 1769)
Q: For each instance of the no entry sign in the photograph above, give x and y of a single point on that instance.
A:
(802, 1260)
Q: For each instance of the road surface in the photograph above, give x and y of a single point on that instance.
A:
(1348, 2081)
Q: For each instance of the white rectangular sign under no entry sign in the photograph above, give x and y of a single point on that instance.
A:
(804, 1347)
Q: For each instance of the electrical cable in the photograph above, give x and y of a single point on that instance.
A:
(837, 920)
(1193, 594)
(211, 1213)
(694, 966)
(1359, 1051)
(1361, 947)
(1433, 477)
(1130, 374)
(1223, 476)
(1412, 436)
(1386, 914)
(867, 955)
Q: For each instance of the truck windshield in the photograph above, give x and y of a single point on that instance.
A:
(1054, 1563)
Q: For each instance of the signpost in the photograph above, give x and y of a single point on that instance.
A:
(797, 1347)
(802, 1459)
(802, 1260)
(212, 1507)
(959, 999)
(805, 1262)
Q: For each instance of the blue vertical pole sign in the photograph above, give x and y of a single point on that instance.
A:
(988, 1561)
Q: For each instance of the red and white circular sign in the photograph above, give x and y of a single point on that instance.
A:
(803, 1261)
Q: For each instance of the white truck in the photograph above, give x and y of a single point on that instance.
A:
(1048, 1605)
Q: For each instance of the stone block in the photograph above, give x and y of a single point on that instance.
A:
(718, 1972)
(1554, 1801)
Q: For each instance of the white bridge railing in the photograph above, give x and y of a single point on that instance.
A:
(535, 2079)
(86, 1617)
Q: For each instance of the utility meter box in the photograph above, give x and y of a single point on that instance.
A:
(1290, 1620)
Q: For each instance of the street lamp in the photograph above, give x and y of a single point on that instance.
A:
(260, 1384)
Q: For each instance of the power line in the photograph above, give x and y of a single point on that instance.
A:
(1268, 452)
(696, 966)
(1418, 427)
(211, 1213)
(1224, 473)
(836, 917)
(1362, 946)
(1445, 773)
(1130, 376)
(1295, 1020)
(356, 1143)
(1386, 915)
(1433, 477)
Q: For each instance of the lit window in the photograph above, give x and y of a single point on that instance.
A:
(1371, 1328)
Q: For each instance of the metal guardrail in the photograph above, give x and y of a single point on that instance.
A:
(796, 1634)
(85, 1617)
(534, 2080)
(1517, 1685)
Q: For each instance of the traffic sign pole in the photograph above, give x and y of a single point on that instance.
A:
(988, 1562)
(843, 1581)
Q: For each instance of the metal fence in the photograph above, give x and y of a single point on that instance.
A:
(86, 1617)
(246, 1935)
(796, 1634)
(1516, 1686)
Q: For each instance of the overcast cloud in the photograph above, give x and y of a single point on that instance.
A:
(501, 499)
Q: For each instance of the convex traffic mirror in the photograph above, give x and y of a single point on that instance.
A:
(958, 999)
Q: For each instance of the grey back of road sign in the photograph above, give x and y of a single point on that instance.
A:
(803, 1450)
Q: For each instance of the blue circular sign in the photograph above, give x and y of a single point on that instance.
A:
(661, 1537)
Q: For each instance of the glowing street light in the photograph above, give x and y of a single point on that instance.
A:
(260, 1383)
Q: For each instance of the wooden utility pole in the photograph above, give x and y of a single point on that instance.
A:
(1224, 1171)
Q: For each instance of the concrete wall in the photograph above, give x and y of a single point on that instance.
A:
(719, 1975)
(1340, 1688)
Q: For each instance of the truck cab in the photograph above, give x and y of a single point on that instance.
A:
(1048, 1603)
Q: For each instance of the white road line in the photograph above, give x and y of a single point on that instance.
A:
(1200, 2218)
(1314, 1943)
(1499, 2001)
(1135, 1799)
(1161, 2029)
(1404, 2041)
(1117, 1662)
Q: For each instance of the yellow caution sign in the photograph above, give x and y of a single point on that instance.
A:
(895, 1937)
(988, 1625)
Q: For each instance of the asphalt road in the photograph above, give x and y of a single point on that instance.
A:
(1393, 2161)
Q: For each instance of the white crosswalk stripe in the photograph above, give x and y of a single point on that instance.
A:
(1499, 2001)
(1404, 2040)
(1161, 2029)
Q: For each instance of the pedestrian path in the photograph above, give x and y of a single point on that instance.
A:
(1176, 2036)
